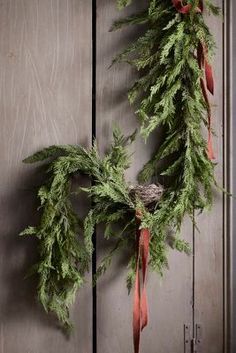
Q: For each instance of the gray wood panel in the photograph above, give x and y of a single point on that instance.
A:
(230, 177)
(209, 259)
(170, 299)
(45, 98)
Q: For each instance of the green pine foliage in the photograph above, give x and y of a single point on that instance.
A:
(168, 94)
(65, 242)
(63, 256)
(123, 3)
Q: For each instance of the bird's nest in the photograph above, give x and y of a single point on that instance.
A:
(150, 194)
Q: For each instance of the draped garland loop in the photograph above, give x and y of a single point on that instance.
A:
(172, 55)
(203, 64)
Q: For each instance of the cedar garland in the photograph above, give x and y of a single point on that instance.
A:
(172, 56)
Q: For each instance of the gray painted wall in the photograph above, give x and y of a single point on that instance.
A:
(231, 137)
(45, 98)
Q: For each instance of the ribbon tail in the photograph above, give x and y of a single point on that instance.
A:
(210, 151)
(144, 240)
(144, 309)
(140, 307)
(200, 5)
(200, 56)
(209, 77)
(136, 311)
(204, 92)
(203, 63)
(199, 8)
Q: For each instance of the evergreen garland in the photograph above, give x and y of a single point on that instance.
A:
(65, 242)
(168, 94)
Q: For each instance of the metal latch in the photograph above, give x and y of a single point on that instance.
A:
(192, 344)
(197, 339)
(187, 338)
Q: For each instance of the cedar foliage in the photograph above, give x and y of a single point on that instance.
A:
(65, 242)
(168, 94)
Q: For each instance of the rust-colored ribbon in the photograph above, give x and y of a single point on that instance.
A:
(208, 83)
(140, 308)
(178, 4)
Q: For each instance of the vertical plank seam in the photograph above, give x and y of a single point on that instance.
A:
(227, 165)
(224, 176)
(94, 256)
(193, 279)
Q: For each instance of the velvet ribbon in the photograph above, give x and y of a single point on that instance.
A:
(208, 83)
(178, 4)
(140, 306)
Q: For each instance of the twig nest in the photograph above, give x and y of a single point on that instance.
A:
(148, 194)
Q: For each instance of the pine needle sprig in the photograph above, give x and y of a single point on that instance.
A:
(65, 242)
(63, 258)
(168, 94)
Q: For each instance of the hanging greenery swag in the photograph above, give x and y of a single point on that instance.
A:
(172, 55)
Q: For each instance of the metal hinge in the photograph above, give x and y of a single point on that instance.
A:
(192, 343)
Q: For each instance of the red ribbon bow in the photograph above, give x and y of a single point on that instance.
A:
(140, 307)
(208, 83)
(178, 4)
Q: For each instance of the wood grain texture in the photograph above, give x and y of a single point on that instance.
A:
(208, 297)
(230, 177)
(170, 299)
(45, 98)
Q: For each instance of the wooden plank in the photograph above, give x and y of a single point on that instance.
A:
(170, 300)
(45, 98)
(209, 243)
(230, 172)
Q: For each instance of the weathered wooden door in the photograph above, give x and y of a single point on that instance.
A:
(49, 95)
(45, 66)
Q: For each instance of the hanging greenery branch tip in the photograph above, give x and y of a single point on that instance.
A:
(172, 56)
(65, 242)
